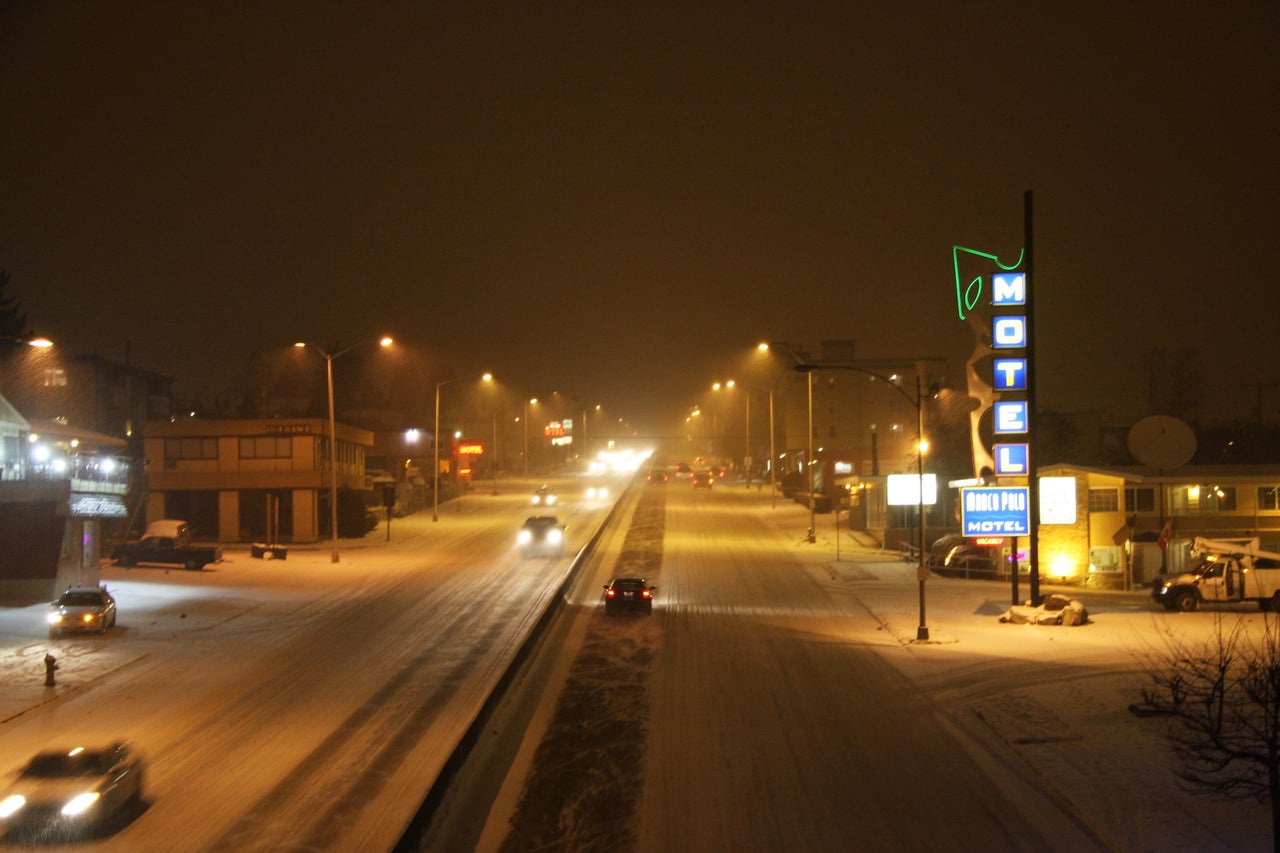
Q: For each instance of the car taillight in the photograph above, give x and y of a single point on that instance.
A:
(645, 594)
(610, 593)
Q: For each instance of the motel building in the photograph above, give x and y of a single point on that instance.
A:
(1103, 526)
(1099, 527)
(249, 480)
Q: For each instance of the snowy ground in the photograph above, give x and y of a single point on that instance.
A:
(1048, 703)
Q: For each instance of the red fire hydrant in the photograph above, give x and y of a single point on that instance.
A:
(50, 667)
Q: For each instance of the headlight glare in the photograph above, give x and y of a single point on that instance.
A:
(80, 804)
(10, 805)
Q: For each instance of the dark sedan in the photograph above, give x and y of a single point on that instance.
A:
(628, 594)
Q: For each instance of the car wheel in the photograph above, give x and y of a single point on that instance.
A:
(127, 562)
(1184, 601)
(193, 565)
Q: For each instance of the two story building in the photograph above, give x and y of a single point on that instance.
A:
(249, 480)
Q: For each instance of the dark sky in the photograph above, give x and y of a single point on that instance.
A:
(617, 200)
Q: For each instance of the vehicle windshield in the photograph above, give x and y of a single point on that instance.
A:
(80, 599)
(60, 766)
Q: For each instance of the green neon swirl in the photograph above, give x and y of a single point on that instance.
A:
(967, 297)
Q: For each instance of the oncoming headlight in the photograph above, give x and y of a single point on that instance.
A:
(554, 536)
(10, 805)
(524, 537)
(79, 804)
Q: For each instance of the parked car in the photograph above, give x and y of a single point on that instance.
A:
(72, 789)
(628, 593)
(541, 536)
(83, 609)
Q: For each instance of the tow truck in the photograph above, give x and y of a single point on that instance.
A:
(1229, 570)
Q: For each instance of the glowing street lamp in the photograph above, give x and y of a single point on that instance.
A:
(333, 437)
(435, 441)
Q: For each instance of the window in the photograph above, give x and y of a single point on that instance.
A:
(1139, 500)
(266, 447)
(55, 377)
(1269, 497)
(190, 448)
(1104, 500)
(1204, 498)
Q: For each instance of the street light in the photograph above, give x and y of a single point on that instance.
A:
(922, 631)
(333, 437)
(532, 401)
(435, 442)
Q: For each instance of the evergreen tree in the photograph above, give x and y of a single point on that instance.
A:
(13, 320)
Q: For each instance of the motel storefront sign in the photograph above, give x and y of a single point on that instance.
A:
(995, 511)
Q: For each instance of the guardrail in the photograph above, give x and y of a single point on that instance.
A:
(458, 757)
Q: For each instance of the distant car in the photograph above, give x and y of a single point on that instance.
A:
(702, 480)
(684, 471)
(541, 536)
(597, 493)
(656, 476)
(72, 789)
(83, 609)
(545, 496)
(628, 594)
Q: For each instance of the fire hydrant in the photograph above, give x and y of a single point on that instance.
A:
(50, 667)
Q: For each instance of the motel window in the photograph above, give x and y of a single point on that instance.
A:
(1139, 500)
(266, 447)
(1104, 500)
(1204, 498)
(190, 448)
(1269, 497)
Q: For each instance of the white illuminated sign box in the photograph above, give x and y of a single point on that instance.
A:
(1057, 500)
(904, 489)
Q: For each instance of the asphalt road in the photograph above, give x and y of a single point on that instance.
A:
(293, 704)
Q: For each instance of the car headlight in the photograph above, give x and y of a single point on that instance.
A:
(554, 537)
(55, 618)
(523, 537)
(80, 804)
(10, 805)
(88, 617)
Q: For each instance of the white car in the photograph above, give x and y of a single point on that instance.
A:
(83, 609)
(72, 789)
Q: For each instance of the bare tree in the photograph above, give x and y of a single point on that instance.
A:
(1222, 696)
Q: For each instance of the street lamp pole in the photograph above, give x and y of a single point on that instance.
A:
(813, 502)
(773, 457)
(922, 574)
(435, 445)
(922, 630)
(333, 433)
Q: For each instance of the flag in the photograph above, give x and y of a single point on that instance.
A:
(1163, 541)
(1125, 533)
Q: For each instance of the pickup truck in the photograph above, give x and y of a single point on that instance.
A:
(167, 541)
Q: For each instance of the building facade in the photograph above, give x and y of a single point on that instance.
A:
(60, 486)
(250, 480)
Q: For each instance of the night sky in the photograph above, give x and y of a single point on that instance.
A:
(618, 200)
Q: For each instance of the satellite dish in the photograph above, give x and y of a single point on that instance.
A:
(1162, 442)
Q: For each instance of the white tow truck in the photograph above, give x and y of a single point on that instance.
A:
(1229, 570)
